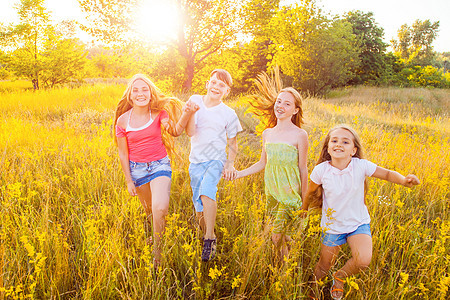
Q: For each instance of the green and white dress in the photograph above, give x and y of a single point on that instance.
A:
(283, 187)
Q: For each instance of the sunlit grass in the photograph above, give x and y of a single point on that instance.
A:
(69, 228)
(7, 86)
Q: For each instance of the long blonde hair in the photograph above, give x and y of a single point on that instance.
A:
(315, 199)
(158, 102)
(263, 101)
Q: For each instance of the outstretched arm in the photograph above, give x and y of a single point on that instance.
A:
(256, 167)
(395, 177)
(185, 120)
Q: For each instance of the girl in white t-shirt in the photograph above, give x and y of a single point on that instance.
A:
(337, 185)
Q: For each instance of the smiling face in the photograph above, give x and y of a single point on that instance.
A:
(216, 88)
(284, 106)
(140, 93)
(341, 144)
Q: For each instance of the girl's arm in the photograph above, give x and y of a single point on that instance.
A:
(257, 167)
(302, 146)
(125, 163)
(189, 110)
(395, 177)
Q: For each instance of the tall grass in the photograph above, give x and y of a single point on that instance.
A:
(69, 229)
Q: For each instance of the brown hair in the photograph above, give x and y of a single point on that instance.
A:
(268, 89)
(315, 198)
(158, 102)
(325, 156)
(223, 75)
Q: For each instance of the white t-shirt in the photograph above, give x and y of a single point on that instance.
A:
(343, 207)
(213, 126)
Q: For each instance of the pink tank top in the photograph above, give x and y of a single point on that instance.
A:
(144, 143)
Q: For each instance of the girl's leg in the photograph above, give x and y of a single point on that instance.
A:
(285, 246)
(160, 187)
(277, 240)
(361, 248)
(145, 196)
(282, 246)
(327, 259)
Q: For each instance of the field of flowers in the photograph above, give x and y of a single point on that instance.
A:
(69, 229)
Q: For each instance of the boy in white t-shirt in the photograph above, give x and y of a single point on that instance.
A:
(212, 129)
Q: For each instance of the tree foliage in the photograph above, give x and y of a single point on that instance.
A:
(369, 41)
(108, 20)
(206, 27)
(256, 54)
(38, 51)
(28, 39)
(63, 60)
(414, 43)
(316, 52)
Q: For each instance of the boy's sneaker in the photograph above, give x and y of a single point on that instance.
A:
(209, 249)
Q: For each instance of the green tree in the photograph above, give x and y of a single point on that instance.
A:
(109, 20)
(369, 40)
(414, 43)
(206, 27)
(255, 55)
(64, 60)
(317, 53)
(28, 38)
(36, 49)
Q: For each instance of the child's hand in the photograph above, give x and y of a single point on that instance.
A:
(131, 189)
(190, 107)
(229, 173)
(411, 180)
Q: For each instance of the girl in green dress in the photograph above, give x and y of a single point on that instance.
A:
(283, 156)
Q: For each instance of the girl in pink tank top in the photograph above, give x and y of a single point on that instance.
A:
(144, 120)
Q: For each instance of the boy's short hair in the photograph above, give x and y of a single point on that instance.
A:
(223, 75)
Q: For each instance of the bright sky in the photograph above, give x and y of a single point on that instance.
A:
(389, 14)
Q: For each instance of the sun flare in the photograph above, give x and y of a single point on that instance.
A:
(157, 20)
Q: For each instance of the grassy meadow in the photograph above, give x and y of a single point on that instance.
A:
(69, 229)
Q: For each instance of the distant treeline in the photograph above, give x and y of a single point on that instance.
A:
(315, 51)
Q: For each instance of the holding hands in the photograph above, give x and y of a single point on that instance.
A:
(190, 107)
(410, 180)
(229, 172)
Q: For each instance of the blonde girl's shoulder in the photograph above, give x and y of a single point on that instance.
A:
(122, 120)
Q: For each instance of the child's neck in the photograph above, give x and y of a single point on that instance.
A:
(340, 164)
(211, 101)
(283, 123)
(141, 110)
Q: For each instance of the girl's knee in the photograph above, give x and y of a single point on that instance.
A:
(160, 209)
(325, 264)
(363, 261)
(276, 238)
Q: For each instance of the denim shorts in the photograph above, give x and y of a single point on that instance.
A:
(204, 179)
(142, 173)
(331, 240)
